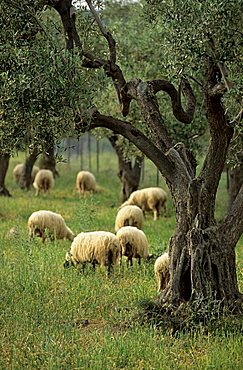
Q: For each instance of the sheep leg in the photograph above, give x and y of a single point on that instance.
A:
(139, 261)
(83, 267)
(93, 264)
(156, 212)
(165, 210)
(110, 270)
(129, 261)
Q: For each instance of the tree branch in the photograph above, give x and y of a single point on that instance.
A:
(184, 116)
(232, 226)
(111, 68)
(142, 142)
(221, 134)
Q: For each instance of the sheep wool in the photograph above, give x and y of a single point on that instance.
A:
(44, 181)
(18, 169)
(134, 243)
(85, 181)
(129, 215)
(161, 271)
(96, 247)
(148, 199)
(46, 223)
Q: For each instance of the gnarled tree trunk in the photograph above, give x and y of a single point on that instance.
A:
(4, 162)
(129, 173)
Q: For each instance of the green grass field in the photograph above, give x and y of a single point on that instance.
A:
(53, 318)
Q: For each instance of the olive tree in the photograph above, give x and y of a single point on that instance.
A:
(200, 48)
(202, 249)
(38, 85)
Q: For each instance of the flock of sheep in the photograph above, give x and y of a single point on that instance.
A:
(101, 247)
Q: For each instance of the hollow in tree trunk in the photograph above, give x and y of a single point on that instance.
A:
(4, 162)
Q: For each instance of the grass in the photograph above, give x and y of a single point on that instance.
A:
(51, 318)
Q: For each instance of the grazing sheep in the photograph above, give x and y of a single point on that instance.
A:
(134, 243)
(85, 181)
(96, 247)
(161, 271)
(18, 169)
(46, 223)
(44, 181)
(148, 199)
(129, 216)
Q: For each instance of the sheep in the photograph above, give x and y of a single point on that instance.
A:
(47, 223)
(18, 169)
(134, 243)
(44, 181)
(148, 199)
(96, 247)
(161, 271)
(129, 216)
(85, 181)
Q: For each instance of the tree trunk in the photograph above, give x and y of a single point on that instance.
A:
(48, 160)
(26, 180)
(202, 250)
(234, 182)
(4, 162)
(129, 173)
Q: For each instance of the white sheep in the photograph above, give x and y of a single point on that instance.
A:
(148, 199)
(95, 247)
(44, 181)
(129, 215)
(134, 243)
(46, 223)
(85, 181)
(161, 271)
(18, 169)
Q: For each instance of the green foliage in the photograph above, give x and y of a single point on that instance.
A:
(193, 32)
(40, 83)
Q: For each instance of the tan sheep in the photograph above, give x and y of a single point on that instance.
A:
(134, 243)
(46, 223)
(18, 169)
(129, 216)
(85, 181)
(148, 199)
(44, 181)
(161, 271)
(96, 247)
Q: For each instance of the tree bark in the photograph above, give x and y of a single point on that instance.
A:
(129, 173)
(4, 163)
(48, 160)
(26, 180)
(234, 182)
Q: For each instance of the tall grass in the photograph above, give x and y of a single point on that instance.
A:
(53, 318)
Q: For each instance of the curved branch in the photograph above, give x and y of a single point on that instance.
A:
(184, 116)
(142, 142)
